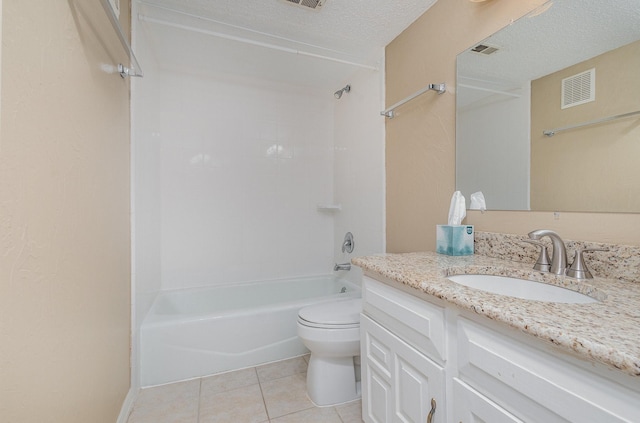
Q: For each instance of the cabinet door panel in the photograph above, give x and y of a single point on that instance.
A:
(412, 393)
(418, 380)
(414, 378)
(417, 322)
(377, 398)
(472, 407)
(376, 401)
(534, 384)
(376, 352)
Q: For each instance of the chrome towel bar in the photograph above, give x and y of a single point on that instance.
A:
(133, 67)
(552, 132)
(440, 88)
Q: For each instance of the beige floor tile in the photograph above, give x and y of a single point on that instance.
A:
(173, 413)
(286, 395)
(239, 405)
(312, 415)
(350, 412)
(228, 381)
(281, 369)
(156, 396)
(173, 403)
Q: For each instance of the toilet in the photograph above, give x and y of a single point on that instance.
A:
(331, 331)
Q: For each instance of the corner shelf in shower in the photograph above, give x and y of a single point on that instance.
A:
(329, 207)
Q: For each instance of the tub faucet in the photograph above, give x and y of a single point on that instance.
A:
(559, 257)
(342, 266)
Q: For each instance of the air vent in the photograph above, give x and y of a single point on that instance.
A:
(484, 49)
(311, 4)
(579, 89)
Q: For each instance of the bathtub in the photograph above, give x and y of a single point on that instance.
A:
(198, 332)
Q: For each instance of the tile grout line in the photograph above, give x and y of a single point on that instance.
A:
(264, 402)
(199, 399)
(268, 378)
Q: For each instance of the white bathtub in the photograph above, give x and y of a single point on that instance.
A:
(198, 332)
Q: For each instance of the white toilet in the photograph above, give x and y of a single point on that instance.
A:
(331, 331)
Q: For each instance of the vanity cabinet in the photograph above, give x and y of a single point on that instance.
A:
(400, 382)
(415, 349)
(402, 342)
(533, 384)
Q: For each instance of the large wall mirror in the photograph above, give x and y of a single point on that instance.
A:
(570, 69)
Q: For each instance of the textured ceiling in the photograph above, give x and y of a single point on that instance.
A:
(568, 32)
(358, 28)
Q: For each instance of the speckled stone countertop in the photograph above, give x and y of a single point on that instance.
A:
(607, 331)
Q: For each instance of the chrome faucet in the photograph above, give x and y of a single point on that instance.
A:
(342, 266)
(559, 257)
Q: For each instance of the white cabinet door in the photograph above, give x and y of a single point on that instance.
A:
(473, 407)
(376, 361)
(376, 395)
(399, 383)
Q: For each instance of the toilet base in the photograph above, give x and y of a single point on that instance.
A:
(332, 380)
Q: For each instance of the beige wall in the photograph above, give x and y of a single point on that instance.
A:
(420, 141)
(593, 168)
(64, 216)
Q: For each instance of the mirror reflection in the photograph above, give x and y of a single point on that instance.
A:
(570, 69)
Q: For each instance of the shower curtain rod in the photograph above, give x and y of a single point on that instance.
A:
(489, 90)
(144, 18)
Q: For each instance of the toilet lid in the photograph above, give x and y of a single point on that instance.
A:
(344, 312)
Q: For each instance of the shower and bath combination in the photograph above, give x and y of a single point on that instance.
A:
(341, 91)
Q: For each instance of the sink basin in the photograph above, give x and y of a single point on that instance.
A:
(522, 288)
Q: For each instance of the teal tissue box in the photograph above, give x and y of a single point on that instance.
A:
(454, 240)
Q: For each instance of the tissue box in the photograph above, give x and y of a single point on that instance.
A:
(454, 240)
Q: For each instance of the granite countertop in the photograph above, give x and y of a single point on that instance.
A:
(607, 331)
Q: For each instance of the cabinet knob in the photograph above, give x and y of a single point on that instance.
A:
(432, 411)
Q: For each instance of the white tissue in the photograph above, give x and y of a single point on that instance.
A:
(458, 209)
(477, 201)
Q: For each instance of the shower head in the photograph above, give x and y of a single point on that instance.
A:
(341, 91)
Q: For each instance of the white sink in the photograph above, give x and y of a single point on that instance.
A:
(521, 288)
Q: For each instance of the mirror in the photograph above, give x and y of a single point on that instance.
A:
(572, 69)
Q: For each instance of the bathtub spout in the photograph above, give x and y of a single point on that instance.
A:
(342, 266)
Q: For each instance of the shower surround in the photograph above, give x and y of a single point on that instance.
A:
(228, 170)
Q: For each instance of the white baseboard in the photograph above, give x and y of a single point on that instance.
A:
(127, 406)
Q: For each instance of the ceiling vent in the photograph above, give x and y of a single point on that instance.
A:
(579, 89)
(484, 49)
(311, 4)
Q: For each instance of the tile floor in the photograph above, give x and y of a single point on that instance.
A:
(274, 393)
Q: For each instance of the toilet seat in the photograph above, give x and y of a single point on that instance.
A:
(343, 314)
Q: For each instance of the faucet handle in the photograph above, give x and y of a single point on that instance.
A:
(579, 268)
(543, 263)
(348, 243)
